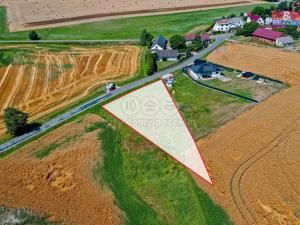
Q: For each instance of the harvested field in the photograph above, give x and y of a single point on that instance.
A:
(23, 14)
(267, 61)
(254, 159)
(62, 183)
(54, 80)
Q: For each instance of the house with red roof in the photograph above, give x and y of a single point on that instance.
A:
(255, 18)
(189, 38)
(266, 35)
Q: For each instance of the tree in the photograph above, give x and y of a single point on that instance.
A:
(177, 42)
(260, 11)
(196, 44)
(283, 6)
(188, 52)
(151, 63)
(268, 12)
(232, 15)
(34, 36)
(15, 121)
(290, 30)
(248, 29)
(146, 38)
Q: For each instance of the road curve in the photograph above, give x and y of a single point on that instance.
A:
(219, 39)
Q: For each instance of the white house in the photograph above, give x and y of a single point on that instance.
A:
(228, 24)
(268, 21)
(160, 43)
(255, 18)
(286, 41)
(221, 25)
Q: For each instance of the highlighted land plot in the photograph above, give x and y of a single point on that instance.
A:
(152, 113)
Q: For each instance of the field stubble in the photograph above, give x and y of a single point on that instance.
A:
(55, 80)
(254, 157)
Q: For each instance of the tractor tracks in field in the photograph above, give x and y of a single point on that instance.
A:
(236, 180)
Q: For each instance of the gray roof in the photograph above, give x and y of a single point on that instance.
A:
(160, 41)
(205, 69)
(164, 54)
(286, 40)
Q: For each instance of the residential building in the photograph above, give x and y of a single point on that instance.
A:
(268, 21)
(203, 70)
(189, 38)
(266, 35)
(286, 41)
(167, 55)
(205, 39)
(226, 25)
(255, 18)
(160, 43)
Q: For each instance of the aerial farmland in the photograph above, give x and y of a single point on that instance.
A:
(149, 112)
(44, 81)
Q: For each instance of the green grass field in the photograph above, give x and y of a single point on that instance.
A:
(128, 28)
(202, 108)
(246, 88)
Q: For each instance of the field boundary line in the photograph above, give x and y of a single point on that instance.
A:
(224, 91)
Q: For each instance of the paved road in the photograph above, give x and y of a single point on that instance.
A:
(52, 123)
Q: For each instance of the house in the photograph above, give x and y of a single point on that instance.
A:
(205, 38)
(266, 35)
(255, 18)
(204, 70)
(286, 41)
(276, 26)
(226, 25)
(268, 21)
(221, 26)
(160, 43)
(189, 38)
(290, 18)
(167, 55)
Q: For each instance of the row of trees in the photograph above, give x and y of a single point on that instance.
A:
(151, 65)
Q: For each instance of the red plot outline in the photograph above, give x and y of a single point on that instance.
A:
(103, 106)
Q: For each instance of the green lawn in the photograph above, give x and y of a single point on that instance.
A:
(204, 109)
(246, 88)
(163, 64)
(129, 28)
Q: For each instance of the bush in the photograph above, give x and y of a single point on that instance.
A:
(177, 42)
(34, 36)
(15, 121)
(290, 30)
(196, 45)
(248, 29)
